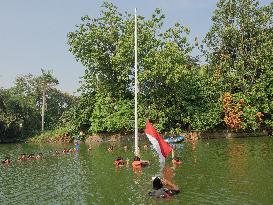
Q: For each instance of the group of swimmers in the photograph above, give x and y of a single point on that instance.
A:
(64, 151)
(27, 157)
(162, 187)
(138, 163)
(23, 157)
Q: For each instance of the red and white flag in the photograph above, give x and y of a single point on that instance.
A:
(160, 145)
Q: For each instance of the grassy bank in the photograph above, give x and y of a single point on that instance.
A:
(58, 135)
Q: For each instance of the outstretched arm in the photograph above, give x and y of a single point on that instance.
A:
(170, 184)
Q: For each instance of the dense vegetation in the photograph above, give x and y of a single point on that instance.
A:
(231, 89)
(21, 105)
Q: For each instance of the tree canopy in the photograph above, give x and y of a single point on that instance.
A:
(175, 90)
(231, 89)
(20, 106)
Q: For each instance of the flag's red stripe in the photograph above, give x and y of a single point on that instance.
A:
(164, 146)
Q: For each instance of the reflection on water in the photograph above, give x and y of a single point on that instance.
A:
(222, 171)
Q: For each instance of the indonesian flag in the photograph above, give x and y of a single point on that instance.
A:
(162, 148)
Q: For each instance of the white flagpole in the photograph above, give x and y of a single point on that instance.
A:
(136, 89)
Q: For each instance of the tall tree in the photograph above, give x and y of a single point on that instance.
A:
(240, 42)
(104, 45)
(31, 89)
(46, 81)
(18, 118)
(240, 54)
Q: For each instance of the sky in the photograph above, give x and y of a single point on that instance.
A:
(33, 33)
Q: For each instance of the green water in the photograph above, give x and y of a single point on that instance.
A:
(216, 171)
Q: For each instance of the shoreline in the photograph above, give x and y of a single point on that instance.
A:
(189, 136)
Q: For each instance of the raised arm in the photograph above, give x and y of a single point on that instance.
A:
(170, 184)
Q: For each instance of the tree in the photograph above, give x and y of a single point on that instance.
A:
(36, 88)
(21, 105)
(58, 103)
(240, 51)
(168, 75)
(46, 81)
(240, 41)
(18, 118)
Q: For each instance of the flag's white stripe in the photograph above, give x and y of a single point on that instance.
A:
(156, 147)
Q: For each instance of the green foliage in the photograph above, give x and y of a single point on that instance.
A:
(77, 117)
(240, 52)
(234, 89)
(173, 90)
(110, 115)
(61, 134)
(20, 115)
(18, 118)
(240, 42)
(57, 103)
(250, 118)
(261, 96)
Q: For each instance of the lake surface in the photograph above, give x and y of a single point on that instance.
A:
(215, 171)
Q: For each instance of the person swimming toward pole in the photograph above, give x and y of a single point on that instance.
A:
(138, 163)
(22, 157)
(159, 191)
(119, 162)
(176, 161)
(6, 160)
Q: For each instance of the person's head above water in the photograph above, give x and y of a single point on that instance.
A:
(136, 158)
(119, 158)
(169, 189)
(157, 183)
(119, 161)
(176, 158)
